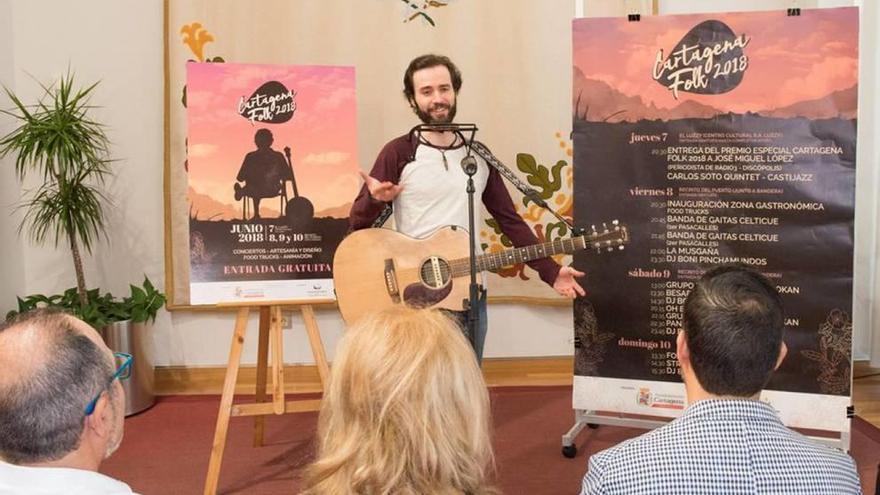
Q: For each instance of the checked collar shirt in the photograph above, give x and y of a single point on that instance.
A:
(722, 446)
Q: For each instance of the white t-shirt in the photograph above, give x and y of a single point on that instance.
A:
(26, 480)
(434, 192)
(434, 195)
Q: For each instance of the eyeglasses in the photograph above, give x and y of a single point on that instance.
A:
(123, 372)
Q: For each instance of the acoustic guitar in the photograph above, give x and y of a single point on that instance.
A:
(377, 268)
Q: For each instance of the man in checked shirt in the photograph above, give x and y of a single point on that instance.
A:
(727, 440)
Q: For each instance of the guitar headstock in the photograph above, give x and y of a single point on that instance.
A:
(607, 237)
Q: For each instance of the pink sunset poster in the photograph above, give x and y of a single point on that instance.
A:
(272, 171)
(804, 66)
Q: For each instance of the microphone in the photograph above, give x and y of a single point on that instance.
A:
(469, 165)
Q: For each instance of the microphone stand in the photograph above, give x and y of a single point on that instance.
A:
(476, 293)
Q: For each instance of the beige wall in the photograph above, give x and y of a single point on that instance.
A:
(11, 269)
(868, 196)
(120, 42)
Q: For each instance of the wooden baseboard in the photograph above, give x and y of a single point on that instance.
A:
(499, 372)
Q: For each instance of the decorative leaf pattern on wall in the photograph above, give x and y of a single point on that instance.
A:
(555, 187)
(418, 9)
(539, 176)
(833, 356)
(195, 37)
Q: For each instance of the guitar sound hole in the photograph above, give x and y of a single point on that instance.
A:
(434, 272)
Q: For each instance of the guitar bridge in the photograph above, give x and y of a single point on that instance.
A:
(391, 281)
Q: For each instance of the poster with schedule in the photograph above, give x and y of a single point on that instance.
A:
(716, 138)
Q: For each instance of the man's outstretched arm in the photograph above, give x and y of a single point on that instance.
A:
(500, 205)
(385, 176)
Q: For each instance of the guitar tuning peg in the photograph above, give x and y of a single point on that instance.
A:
(610, 249)
(620, 248)
(604, 227)
(593, 228)
(598, 249)
(615, 222)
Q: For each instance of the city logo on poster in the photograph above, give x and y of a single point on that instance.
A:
(244, 293)
(709, 60)
(271, 103)
(648, 398)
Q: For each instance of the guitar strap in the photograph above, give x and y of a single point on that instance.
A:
(383, 217)
(526, 190)
(508, 174)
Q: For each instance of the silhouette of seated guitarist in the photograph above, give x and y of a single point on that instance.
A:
(264, 172)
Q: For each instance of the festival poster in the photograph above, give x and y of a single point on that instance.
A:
(716, 138)
(272, 169)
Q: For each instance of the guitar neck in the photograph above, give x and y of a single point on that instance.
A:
(495, 261)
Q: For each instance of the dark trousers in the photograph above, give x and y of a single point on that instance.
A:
(480, 338)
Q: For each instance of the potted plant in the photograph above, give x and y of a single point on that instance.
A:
(101, 310)
(57, 141)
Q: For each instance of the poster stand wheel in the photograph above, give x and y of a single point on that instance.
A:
(584, 418)
(587, 418)
(270, 337)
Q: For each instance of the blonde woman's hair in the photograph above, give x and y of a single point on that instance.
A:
(406, 411)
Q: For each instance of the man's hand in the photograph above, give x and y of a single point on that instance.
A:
(566, 285)
(381, 191)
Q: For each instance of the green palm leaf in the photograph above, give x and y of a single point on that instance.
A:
(56, 139)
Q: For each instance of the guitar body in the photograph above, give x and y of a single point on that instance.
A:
(374, 269)
(378, 268)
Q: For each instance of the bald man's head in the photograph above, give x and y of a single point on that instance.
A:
(51, 366)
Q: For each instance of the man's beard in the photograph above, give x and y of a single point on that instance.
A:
(428, 119)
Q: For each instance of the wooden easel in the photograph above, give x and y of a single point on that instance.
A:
(270, 337)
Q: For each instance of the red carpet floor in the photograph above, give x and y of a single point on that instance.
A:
(166, 448)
